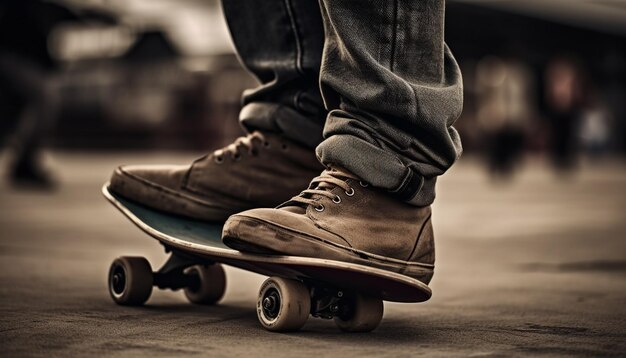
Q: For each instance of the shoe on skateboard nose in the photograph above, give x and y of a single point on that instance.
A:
(258, 170)
(341, 218)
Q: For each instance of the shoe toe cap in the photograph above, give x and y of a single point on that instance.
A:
(276, 230)
(269, 217)
(134, 180)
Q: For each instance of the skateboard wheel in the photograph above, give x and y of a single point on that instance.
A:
(130, 280)
(283, 304)
(365, 315)
(211, 284)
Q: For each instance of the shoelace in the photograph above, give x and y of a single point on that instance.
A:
(241, 143)
(322, 185)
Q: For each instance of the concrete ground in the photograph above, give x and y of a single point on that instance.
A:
(532, 267)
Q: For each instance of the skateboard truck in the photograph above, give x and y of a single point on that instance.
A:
(327, 302)
(172, 274)
(131, 279)
(283, 304)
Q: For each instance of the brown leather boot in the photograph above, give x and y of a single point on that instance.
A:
(259, 170)
(341, 218)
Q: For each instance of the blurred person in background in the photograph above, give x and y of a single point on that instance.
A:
(28, 98)
(564, 104)
(504, 110)
(595, 126)
(349, 129)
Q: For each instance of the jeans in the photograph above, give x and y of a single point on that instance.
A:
(369, 83)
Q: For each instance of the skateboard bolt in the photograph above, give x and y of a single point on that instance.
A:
(269, 303)
(340, 294)
(334, 308)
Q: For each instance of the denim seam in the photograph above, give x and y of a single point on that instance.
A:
(407, 178)
(296, 35)
(394, 35)
(296, 100)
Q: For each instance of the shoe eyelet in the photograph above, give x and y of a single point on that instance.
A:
(337, 199)
(237, 157)
(254, 152)
(350, 192)
(284, 146)
(219, 159)
(319, 208)
(266, 144)
(364, 184)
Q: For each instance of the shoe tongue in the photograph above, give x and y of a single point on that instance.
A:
(338, 172)
(300, 208)
(295, 207)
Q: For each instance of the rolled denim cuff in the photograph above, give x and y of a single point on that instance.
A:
(272, 117)
(377, 166)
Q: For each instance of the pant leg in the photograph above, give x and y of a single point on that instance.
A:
(394, 91)
(280, 42)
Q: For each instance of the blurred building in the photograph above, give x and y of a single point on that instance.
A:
(534, 33)
(163, 73)
(137, 74)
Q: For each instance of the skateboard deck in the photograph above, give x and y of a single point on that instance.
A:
(203, 240)
(351, 294)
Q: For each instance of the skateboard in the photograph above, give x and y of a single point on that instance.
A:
(297, 287)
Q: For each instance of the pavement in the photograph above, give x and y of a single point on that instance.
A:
(532, 267)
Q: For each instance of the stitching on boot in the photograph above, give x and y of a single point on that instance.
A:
(419, 235)
(167, 190)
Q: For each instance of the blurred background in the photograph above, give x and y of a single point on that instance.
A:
(530, 223)
(542, 78)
